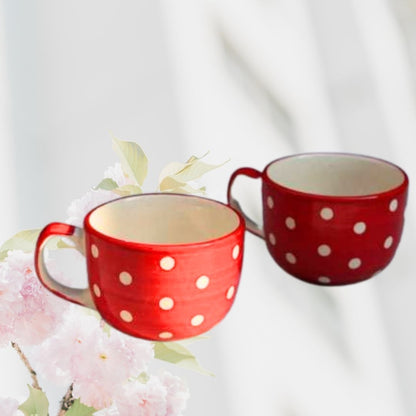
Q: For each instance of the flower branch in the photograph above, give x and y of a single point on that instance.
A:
(35, 382)
(67, 401)
(100, 365)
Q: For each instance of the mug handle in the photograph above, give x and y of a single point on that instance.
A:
(250, 224)
(79, 296)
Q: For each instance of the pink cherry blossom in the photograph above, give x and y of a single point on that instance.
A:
(28, 312)
(96, 362)
(8, 407)
(177, 394)
(141, 399)
(164, 396)
(79, 208)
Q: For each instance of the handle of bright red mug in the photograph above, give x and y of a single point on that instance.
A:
(79, 296)
(250, 224)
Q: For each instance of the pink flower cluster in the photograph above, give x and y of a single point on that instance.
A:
(73, 347)
(28, 312)
(108, 369)
(80, 207)
(160, 396)
(97, 363)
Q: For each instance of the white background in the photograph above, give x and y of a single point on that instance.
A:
(250, 81)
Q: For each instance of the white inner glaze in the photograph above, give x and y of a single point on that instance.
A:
(335, 174)
(164, 219)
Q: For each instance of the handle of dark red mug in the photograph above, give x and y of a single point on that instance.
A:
(250, 224)
(79, 296)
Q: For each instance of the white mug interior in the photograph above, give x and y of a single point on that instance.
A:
(164, 219)
(335, 174)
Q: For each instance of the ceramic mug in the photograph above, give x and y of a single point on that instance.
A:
(160, 266)
(329, 218)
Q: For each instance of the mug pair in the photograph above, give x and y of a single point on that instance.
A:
(167, 266)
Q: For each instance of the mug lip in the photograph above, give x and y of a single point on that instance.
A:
(165, 246)
(392, 191)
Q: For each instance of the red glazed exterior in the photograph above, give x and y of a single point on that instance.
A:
(353, 256)
(159, 292)
(157, 304)
(328, 239)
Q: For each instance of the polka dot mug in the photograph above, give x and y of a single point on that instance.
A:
(330, 218)
(160, 266)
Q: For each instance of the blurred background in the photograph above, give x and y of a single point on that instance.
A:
(249, 81)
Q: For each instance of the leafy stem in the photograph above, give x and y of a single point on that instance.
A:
(67, 401)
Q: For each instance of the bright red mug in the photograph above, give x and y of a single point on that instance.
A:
(329, 218)
(160, 266)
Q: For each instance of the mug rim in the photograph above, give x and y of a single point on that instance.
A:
(395, 190)
(157, 246)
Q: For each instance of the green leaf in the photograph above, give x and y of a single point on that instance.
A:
(194, 169)
(23, 240)
(175, 353)
(107, 184)
(105, 327)
(79, 409)
(175, 176)
(170, 170)
(143, 377)
(61, 244)
(36, 405)
(169, 184)
(128, 190)
(26, 241)
(92, 312)
(133, 160)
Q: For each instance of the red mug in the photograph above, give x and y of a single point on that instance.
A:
(330, 218)
(160, 266)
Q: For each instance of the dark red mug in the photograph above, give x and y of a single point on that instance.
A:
(160, 266)
(329, 218)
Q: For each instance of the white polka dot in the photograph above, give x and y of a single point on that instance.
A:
(354, 263)
(324, 279)
(202, 282)
(166, 303)
(126, 316)
(388, 242)
(272, 239)
(97, 290)
(360, 227)
(236, 252)
(290, 257)
(197, 320)
(324, 250)
(270, 202)
(393, 205)
(165, 335)
(290, 223)
(94, 251)
(327, 213)
(230, 292)
(167, 263)
(125, 278)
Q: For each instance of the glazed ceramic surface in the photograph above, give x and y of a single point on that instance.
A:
(160, 266)
(330, 218)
